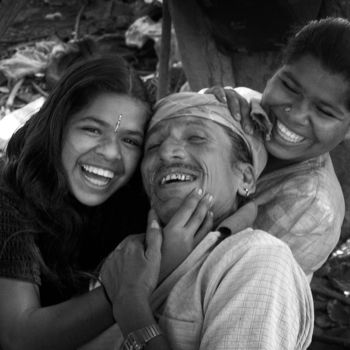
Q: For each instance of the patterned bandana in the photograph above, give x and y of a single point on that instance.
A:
(192, 104)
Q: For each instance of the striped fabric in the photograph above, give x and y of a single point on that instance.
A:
(303, 205)
(245, 293)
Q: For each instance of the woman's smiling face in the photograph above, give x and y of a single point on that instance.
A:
(308, 107)
(98, 156)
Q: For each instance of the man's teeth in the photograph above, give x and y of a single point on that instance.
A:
(287, 134)
(176, 177)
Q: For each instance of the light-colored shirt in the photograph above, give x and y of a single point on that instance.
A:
(303, 205)
(247, 292)
(244, 292)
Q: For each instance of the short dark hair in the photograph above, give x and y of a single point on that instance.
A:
(328, 41)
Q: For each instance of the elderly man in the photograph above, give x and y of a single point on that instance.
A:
(238, 291)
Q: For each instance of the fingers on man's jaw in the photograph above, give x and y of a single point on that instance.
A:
(153, 242)
(200, 213)
(196, 201)
(207, 223)
(188, 206)
(155, 224)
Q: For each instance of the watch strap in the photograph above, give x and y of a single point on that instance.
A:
(136, 340)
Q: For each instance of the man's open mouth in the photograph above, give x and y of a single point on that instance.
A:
(177, 177)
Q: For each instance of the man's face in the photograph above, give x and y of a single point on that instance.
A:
(185, 153)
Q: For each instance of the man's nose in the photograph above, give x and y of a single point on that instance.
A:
(171, 149)
(109, 148)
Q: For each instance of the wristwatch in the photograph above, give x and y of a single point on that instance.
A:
(138, 339)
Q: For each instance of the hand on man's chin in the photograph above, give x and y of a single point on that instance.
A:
(166, 210)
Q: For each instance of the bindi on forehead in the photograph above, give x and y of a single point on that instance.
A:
(117, 125)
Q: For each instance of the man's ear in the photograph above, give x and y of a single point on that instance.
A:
(247, 184)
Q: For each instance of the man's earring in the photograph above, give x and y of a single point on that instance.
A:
(246, 192)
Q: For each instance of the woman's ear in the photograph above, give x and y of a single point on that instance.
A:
(247, 184)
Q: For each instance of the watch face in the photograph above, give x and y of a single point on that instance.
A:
(131, 343)
(136, 345)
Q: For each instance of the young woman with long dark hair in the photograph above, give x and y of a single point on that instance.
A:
(69, 193)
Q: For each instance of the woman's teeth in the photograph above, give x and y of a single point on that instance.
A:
(97, 176)
(288, 134)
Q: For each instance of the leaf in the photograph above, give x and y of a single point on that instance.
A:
(320, 305)
(340, 276)
(320, 283)
(339, 332)
(338, 313)
(322, 320)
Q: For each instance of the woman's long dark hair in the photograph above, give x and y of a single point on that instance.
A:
(33, 171)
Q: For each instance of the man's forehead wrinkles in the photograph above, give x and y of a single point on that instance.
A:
(180, 123)
(177, 122)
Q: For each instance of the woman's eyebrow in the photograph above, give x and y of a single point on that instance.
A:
(290, 77)
(104, 124)
(93, 119)
(320, 101)
(131, 132)
(331, 106)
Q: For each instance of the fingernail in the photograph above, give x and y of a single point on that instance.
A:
(210, 198)
(155, 224)
(199, 191)
(237, 116)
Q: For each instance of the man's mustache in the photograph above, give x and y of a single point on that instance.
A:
(178, 165)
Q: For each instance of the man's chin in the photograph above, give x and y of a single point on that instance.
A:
(165, 211)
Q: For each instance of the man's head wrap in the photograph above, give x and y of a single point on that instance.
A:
(206, 106)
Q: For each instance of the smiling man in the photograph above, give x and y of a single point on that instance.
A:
(241, 291)
(188, 148)
(182, 155)
(232, 291)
